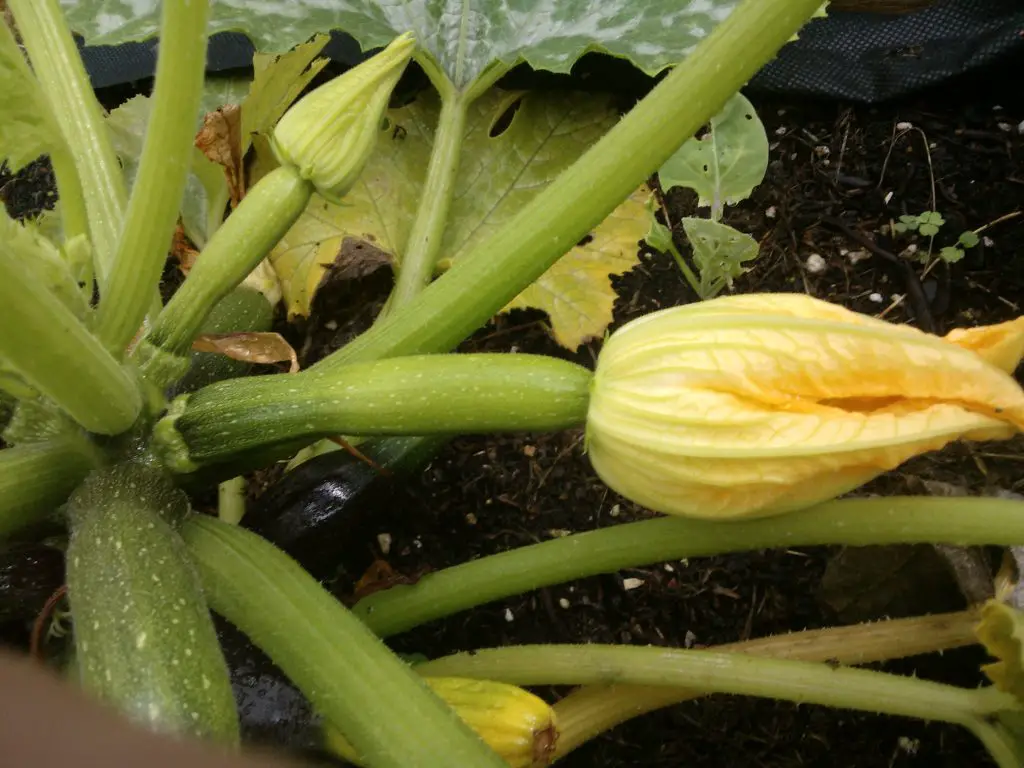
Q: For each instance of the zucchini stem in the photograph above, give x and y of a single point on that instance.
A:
(381, 706)
(802, 682)
(853, 522)
(163, 169)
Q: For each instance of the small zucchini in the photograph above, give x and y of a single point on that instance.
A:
(514, 723)
(144, 639)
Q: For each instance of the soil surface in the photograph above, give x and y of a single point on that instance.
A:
(838, 176)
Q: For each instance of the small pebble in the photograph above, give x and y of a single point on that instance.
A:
(563, 602)
(331, 325)
(876, 297)
(384, 541)
(770, 212)
(615, 510)
(508, 615)
(988, 241)
(471, 518)
(1005, 127)
(815, 264)
(781, 130)
(904, 126)
(632, 583)
(689, 639)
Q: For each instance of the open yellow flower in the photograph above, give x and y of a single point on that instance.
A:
(765, 403)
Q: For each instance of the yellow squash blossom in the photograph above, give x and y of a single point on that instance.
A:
(765, 403)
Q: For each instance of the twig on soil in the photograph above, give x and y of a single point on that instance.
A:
(915, 291)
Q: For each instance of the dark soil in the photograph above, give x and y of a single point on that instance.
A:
(838, 175)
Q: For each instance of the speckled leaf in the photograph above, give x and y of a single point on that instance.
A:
(498, 175)
(462, 36)
(719, 251)
(725, 164)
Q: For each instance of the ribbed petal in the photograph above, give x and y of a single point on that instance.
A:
(760, 404)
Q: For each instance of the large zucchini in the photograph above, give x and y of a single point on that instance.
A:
(145, 641)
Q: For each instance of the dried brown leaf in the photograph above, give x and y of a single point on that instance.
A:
(266, 348)
(220, 139)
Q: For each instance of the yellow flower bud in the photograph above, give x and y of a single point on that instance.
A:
(329, 133)
(761, 404)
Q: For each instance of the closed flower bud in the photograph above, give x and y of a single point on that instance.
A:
(329, 133)
(761, 404)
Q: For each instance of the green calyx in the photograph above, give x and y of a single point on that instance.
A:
(329, 134)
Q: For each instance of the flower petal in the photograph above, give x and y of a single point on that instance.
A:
(1000, 345)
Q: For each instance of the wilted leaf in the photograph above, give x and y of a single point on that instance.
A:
(266, 348)
(220, 141)
(182, 250)
(725, 164)
(719, 251)
(535, 137)
(1001, 631)
(463, 38)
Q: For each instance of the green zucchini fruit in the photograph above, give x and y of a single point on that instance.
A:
(144, 638)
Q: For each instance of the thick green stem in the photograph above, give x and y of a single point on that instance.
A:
(63, 79)
(717, 672)
(36, 478)
(427, 233)
(495, 271)
(593, 709)
(163, 170)
(381, 706)
(418, 395)
(57, 355)
(265, 214)
(854, 522)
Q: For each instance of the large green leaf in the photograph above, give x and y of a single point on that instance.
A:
(515, 144)
(462, 36)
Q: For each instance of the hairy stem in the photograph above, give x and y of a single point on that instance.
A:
(854, 522)
(380, 705)
(63, 79)
(52, 351)
(265, 214)
(418, 395)
(497, 269)
(163, 170)
(593, 709)
(718, 672)
(36, 478)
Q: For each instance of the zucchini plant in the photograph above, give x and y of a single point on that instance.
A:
(696, 412)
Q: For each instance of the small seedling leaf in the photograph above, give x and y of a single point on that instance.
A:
(461, 38)
(968, 239)
(515, 145)
(719, 252)
(659, 237)
(725, 164)
(951, 254)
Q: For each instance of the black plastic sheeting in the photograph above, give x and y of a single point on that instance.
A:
(859, 57)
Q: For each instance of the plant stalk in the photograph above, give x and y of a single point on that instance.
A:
(853, 522)
(484, 280)
(55, 353)
(263, 217)
(418, 395)
(427, 233)
(380, 705)
(74, 217)
(802, 682)
(593, 709)
(63, 80)
(163, 170)
(36, 478)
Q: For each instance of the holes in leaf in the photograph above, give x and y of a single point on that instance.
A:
(504, 120)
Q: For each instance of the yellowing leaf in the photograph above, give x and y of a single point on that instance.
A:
(1001, 631)
(515, 144)
(577, 291)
